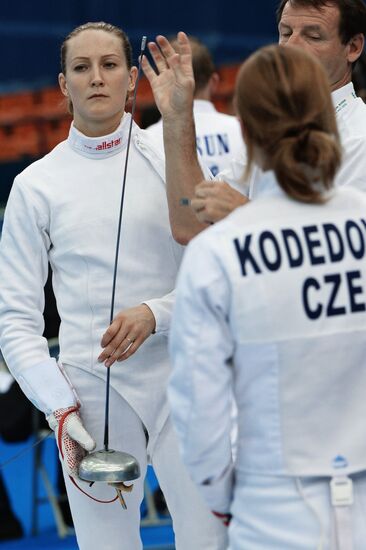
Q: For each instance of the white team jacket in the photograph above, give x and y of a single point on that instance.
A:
(218, 136)
(272, 301)
(351, 122)
(65, 208)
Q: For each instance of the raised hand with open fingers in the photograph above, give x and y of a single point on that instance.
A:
(173, 86)
(129, 329)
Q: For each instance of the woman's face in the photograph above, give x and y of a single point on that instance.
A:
(97, 81)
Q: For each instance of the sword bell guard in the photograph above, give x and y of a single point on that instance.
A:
(109, 466)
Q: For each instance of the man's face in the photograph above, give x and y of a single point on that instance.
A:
(317, 31)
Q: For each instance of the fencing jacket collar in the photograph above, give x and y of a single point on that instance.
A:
(343, 97)
(100, 147)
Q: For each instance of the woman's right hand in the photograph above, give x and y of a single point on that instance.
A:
(128, 330)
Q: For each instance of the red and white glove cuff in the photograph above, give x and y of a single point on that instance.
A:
(72, 448)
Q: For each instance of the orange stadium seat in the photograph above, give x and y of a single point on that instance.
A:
(33, 122)
(228, 74)
(8, 152)
(55, 131)
(22, 102)
(51, 96)
(19, 141)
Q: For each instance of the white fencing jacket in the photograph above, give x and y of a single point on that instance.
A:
(218, 136)
(64, 208)
(272, 302)
(351, 121)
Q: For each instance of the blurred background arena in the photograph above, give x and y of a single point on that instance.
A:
(33, 115)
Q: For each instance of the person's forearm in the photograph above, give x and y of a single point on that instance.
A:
(173, 88)
(183, 173)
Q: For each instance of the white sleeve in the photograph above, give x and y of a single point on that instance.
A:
(162, 310)
(234, 175)
(353, 167)
(200, 388)
(23, 272)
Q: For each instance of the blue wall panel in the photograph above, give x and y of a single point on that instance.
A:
(31, 32)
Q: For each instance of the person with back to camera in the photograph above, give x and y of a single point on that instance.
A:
(271, 302)
(334, 31)
(218, 136)
(64, 208)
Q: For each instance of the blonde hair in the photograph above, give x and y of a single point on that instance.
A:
(283, 100)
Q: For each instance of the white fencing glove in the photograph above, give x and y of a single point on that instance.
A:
(72, 438)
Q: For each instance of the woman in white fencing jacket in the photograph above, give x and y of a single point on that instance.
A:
(271, 302)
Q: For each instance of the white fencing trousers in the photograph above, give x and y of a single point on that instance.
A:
(108, 526)
(269, 513)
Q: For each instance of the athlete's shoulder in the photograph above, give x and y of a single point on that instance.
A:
(152, 148)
